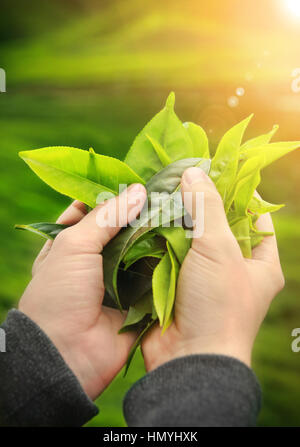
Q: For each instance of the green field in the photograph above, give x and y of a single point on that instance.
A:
(88, 78)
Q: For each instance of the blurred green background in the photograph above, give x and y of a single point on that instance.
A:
(91, 73)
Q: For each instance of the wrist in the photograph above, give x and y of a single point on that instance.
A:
(230, 350)
(231, 347)
(69, 347)
(74, 352)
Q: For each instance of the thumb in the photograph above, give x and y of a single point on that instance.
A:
(103, 223)
(204, 204)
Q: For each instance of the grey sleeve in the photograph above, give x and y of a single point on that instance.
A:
(195, 391)
(37, 388)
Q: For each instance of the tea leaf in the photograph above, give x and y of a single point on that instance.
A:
(224, 165)
(92, 172)
(247, 181)
(259, 206)
(241, 230)
(138, 280)
(259, 141)
(256, 239)
(271, 152)
(149, 247)
(161, 153)
(45, 229)
(176, 236)
(137, 344)
(199, 140)
(168, 131)
(137, 312)
(172, 289)
(67, 170)
(168, 179)
(161, 285)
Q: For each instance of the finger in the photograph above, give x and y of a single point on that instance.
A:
(265, 264)
(204, 203)
(98, 227)
(41, 256)
(73, 214)
(267, 250)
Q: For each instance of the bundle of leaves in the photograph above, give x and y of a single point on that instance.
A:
(142, 262)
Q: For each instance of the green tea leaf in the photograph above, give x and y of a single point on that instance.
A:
(168, 131)
(92, 171)
(161, 153)
(154, 314)
(225, 162)
(271, 152)
(247, 181)
(44, 229)
(259, 141)
(247, 177)
(172, 289)
(161, 286)
(148, 247)
(137, 344)
(199, 140)
(256, 239)
(241, 230)
(177, 238)
(168, 179)
(164, 287)
(138, 279)
(67, 170)
(259, 206)
(137, 312)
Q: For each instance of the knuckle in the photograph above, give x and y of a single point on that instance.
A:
(278, 279)
(220, 247)
(65, 238)
(212, 196)
(110, 231)
(281, 280)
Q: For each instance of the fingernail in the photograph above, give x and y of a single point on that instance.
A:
(136, 188)
(136, 195)
(195, 175)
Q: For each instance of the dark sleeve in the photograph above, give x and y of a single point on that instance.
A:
(195, 391)
(37, 388)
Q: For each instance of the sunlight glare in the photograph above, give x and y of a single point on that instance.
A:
(293, 7)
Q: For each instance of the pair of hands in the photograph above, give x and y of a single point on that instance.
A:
(221, 299)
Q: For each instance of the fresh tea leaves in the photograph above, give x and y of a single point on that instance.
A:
(79, 174)
(141, 264)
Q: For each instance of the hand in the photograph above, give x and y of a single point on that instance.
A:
(222, 298)
(65, 295)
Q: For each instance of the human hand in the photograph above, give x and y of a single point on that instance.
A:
(65, 295)
(221, 298)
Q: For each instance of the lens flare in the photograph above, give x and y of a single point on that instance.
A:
(293, 7)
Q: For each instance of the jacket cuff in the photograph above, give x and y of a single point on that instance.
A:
(196, 391)
(37, 388)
